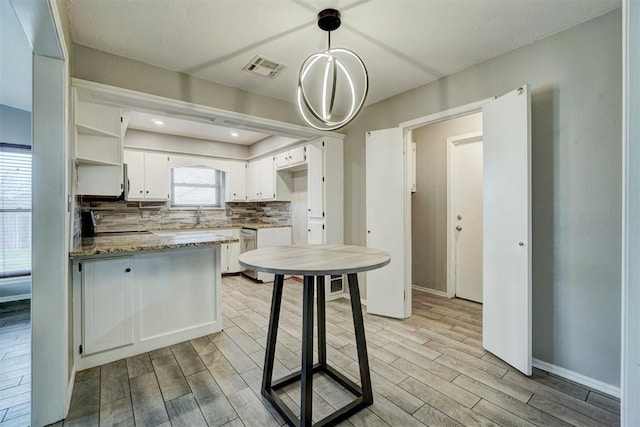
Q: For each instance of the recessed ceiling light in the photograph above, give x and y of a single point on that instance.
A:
(157, 121)
(235, 134)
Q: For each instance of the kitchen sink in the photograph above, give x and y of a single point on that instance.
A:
(121, 233)
(185, 232)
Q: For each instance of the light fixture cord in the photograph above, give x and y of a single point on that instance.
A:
(329, 48)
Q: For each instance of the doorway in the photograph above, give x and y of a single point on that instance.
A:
(446, 208)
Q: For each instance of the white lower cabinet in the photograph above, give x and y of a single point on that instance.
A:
(230, 252)
(107, 300)
(266, 237)
(127, 305)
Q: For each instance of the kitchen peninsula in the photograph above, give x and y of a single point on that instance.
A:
(135, 292)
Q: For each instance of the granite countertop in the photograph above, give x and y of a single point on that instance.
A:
(119, 243)
(134, 241)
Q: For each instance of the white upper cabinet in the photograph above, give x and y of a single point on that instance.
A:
(261, 179)
(291, 158)
(235, 182)
(98, 148)
(149, 175)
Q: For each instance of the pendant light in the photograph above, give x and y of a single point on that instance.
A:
(332, 84)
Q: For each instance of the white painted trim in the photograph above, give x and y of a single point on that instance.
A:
(111, 95)
(451, 248)
(630, 277)
(577, 378)
(430, 291)
(72, 383)
(451, 113)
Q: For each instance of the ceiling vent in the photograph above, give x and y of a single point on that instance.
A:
(264, 67)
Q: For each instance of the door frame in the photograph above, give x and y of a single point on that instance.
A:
(451, 247)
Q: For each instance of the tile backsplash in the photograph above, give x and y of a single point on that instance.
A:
(130, 216)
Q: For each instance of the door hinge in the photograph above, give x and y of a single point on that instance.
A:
(79, 266)
(80, 349)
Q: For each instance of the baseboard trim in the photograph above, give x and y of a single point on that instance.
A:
(72, 382)
(429, 291)
(578, 378)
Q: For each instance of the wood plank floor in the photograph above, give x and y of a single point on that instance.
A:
(15, 368)
(427, 370)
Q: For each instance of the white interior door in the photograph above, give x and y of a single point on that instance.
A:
(385, 216)
(507, 229)
(465, 214)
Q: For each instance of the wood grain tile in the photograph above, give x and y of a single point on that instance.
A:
(184, 412)
(251, 410)
(187, 358)
(148, 405)
(138, 365)
(114, 382)
(430, 369)
(117, 413)
(215, 407)
(170, 378)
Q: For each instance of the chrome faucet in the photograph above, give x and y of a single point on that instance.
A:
(199, 214)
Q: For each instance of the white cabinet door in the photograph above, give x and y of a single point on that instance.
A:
(232, 257)
(315, 157)
(386, 211)
(506, 325)
(267, 179)
(236, 178)
(224, 258)
(135, 173)
(156, 176)
(253, 180)
(107, 303)
(316, 232)
(297, 156)
(282, 160)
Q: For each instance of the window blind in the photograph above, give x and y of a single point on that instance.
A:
(196, 186)
(15, 210)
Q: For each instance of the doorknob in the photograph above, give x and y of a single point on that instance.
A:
(459, 228)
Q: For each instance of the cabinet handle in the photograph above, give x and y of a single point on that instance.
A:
(127, 270)
(140, 191)
(147, 191)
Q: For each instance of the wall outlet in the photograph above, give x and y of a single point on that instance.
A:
(229, 212)
(145, 214)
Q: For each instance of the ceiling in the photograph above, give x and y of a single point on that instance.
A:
(404, 43)
(175, 126)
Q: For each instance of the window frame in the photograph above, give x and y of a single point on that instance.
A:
(219, 187)
(4, 146)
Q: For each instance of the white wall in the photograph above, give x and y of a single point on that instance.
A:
(135, 138)
(576, 85)
(15, 124)
(429, 202)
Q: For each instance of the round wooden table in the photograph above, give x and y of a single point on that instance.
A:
(314, 262)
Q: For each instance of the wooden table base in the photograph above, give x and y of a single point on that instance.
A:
(363, 393)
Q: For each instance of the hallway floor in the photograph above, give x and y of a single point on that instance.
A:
(15, 365)
(427, 370)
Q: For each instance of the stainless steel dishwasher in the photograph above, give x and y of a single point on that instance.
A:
(248, 242)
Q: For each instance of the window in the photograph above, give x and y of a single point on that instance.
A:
(15, 210)
(196, 186)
